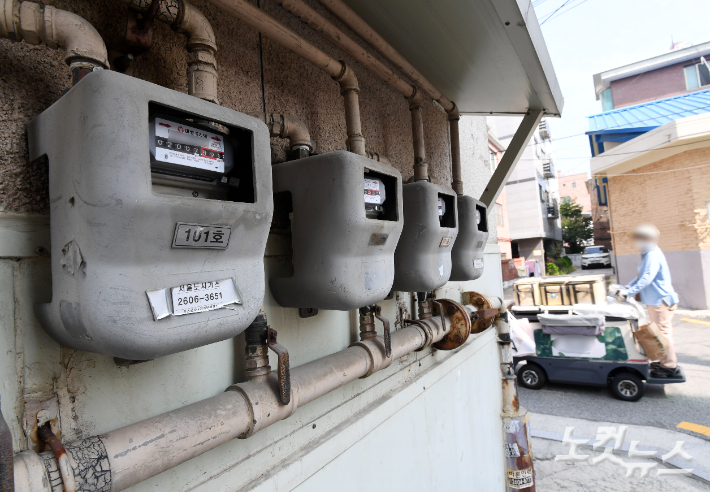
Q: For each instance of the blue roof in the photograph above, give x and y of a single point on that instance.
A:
(647, 116)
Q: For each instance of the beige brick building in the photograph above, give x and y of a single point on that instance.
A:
(663, 177)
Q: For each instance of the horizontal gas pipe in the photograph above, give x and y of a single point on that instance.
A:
(119, 459)
(253, 17)
(36, 24)
(362, 29)
(321, 25)
(201, 45)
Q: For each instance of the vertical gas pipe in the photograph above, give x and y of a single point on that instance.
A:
(516, 427)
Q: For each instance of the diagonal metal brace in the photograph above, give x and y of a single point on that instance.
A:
(284, 372)
(388, 337)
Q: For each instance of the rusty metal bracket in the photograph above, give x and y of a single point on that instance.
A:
(45, 433)
(284, 372)
(441, 313)
(484, 314)
(388, 337)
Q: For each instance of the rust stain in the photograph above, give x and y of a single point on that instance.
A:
(460, 323)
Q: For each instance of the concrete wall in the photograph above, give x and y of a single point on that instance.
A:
(453, 390)
(676, 202)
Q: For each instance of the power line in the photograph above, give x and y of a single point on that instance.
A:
(554, 12)
(564, 12)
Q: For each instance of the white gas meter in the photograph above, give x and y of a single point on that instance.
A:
(161, 204)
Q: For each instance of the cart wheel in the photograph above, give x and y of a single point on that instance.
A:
(532, 376)
(627, 387)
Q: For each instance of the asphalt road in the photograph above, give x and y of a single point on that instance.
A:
(662, 406)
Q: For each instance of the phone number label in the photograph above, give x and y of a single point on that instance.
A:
(204, 296)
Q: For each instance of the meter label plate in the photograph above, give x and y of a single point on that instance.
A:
(201, 236)
(372, 191)
(204, 296)
(181, 144)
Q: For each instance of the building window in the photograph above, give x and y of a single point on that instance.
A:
(566, 199)
(499, 214)
(493, 160)
(697, 76)
(574, 185)
(607, 102)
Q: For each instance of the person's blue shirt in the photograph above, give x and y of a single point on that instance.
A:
(654, 280)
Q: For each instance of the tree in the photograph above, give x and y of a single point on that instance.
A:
(576, 229)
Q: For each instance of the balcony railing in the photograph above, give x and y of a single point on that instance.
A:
(553, 209)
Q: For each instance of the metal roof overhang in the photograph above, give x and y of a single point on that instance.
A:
(488, 56)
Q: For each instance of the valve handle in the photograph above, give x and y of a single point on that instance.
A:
(388, 337)
(284, 372)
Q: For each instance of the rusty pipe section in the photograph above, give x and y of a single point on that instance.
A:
(134, 453)
(37, 24)
(201, 44)
(288, 127)
(253, 17)
(6, 469)
(520, 474)
(65, 469)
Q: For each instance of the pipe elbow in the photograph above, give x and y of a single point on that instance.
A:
(201, 48)
(416, 100)
(453, 113)
(198, 30)
(288, 127)
(347, 80)
(35, 24)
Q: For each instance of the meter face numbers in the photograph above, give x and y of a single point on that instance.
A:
(177, 143)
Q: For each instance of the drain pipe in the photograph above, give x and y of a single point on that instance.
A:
(201, 45)
(516, 426)
(253, 17)
(119, 459)
(362, 29)
(421, 170)
(36, 24)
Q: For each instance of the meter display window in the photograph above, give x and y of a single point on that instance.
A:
(447, 211)
(380, 196)
(202, 159)
(481, 218)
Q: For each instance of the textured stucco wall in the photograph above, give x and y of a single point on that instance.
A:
(33, 77)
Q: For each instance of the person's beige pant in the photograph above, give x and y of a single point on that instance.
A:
(663, 317)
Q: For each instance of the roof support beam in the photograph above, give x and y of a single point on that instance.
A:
(511, 156)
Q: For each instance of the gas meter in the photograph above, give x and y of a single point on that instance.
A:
(161, 205)
(467, 254)
(423, 256)
(344, 215)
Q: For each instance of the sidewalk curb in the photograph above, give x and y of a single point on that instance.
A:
(699, 472)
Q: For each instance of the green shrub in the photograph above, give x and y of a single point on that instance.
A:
(552, 269)
(567, 262)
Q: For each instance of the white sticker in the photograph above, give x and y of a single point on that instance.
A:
(372, 191)
(478, 263)
(512, 427)
(512, 451)
(441, 270)
(204, 296)
(520, 479)
(188, 146)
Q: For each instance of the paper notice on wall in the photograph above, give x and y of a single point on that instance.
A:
(520, 479)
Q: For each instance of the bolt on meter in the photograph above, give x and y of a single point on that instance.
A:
(161, 205)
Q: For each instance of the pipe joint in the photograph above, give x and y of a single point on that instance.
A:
(416, 100)
(376, 352)
(265, 407)
(378, 157)
(453, 113)
(35, 24)
(347, 80)
(285, 126)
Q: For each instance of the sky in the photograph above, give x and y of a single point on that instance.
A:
(591, 36)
